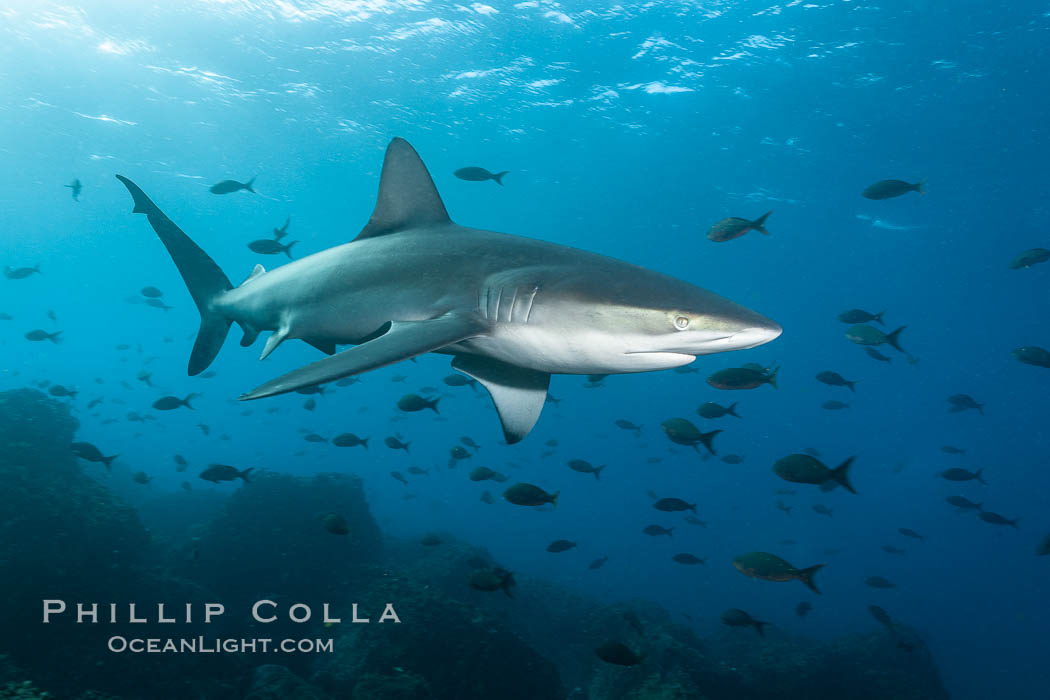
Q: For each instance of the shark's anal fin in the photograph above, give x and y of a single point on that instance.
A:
(407, 195)
(325, 346)
(518, 393)
(405, 339)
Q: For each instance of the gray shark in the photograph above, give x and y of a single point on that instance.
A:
(511, 311)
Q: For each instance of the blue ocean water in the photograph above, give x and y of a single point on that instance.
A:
(628, 130)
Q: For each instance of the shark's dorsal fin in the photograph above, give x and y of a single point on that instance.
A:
(407, 196)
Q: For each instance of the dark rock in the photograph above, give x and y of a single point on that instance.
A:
(273, 682)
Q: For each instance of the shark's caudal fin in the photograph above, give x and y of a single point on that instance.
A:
(518, 393)
(202, 276)
(407, 195)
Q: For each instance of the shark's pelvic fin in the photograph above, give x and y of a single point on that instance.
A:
(407, 195)
(250, 334)
(404, 340)
(205, 280)
(518, 393)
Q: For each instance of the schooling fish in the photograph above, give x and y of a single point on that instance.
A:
(769, 567)
(734, 617)
(475, 174)
(854, 316)
(269, 246)
(76, 187)
(887, 189)
(735, 227)
(228, 186)
(1030, 257)
(20, 273)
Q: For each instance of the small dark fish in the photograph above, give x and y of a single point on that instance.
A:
(414, 402)
(734, 617)
(76, 187)
(890, 549)
(618, 654)
(228, 186)
(336, 524)
(803, 609)
(737, 378)
(682, 432)
(1030, 257)
(141, 478)
(963, 503)
(1032, 355)
(628, 425)
(417, 471)
(879, 582)
(475, 174)
(224, 472)
(963, 402)
(656, 530)
(310, 404)
(996, 519)
(854, 316)
(61, 391)
(314, 437)
(733, 459)
(870, 335)
(469, 442)
(560, 546)
(688, 559)
(90, 453)
(908, 532)
(318, 389)
(952, 450)
(399, 477)
(769, 567)
(693, 520)
(821, 509)
(876, 355)
(887, 189)
(457, 453)
(585, 467)
(279, 233)
(600, 562)
(482, 474)
(348, 381)
(673, 505)
(882, 616)
(713, 410)
(20, 273)
(159, 304)
(151, 292)
(396, 444)
(835, 379)
(804, 469)
(38, 335)
(834, 405)
(523, 494)
(204, 428)
(460, 380)
(350, 440)
(486, 497)
(957, 474)
(1043, 548)
(269, 246)
(170, 403)
(734, 227)
(490, 580)
(784, 507)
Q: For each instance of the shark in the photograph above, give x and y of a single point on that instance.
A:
(510, 310)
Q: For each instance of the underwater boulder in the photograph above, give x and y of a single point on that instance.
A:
(274, 682)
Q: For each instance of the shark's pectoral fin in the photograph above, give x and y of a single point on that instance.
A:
(518, 393)
(405, 339)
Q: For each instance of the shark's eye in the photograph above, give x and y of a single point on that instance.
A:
(681, 323)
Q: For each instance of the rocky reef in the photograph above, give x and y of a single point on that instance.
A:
(66, 536)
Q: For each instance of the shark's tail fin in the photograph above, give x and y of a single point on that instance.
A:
(202, 276)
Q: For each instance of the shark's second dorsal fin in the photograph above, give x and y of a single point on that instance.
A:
(256, 271)
(407, 196)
